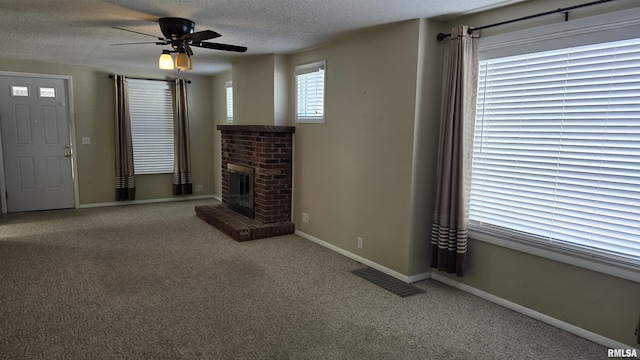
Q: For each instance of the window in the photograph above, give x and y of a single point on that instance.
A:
(557, 148)
(19, 91)
(151, 111)
(47, 92)
(310, 80)
(229, 88)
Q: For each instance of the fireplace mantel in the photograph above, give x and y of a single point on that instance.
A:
(258, 128)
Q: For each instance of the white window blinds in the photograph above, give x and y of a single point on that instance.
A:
(557, 150)
(151, 111)
(310, 81)
(229, 90)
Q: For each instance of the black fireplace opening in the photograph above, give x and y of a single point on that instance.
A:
(240, 189)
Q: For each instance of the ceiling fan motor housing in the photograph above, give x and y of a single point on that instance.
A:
(174, 28)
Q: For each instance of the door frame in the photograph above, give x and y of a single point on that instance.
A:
(72, 136)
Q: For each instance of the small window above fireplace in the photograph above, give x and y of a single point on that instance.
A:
(310, 92)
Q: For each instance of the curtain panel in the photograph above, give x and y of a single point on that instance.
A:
(182, 183)
(125, 176)
(455, 151)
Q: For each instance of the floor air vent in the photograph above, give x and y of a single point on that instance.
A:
(387, 282)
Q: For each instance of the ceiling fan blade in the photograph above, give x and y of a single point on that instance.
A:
(200, 36)
(218, 46)
(138, 32)
(139, 43)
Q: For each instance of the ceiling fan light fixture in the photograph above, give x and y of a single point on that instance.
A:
(166, 61)
(183, 61)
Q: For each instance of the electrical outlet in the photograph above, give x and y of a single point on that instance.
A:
(359, 242)
(305, 218)
(198, 187)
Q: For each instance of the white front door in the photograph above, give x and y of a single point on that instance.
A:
(36, 143)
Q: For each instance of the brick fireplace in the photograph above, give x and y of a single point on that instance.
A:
(268, 151)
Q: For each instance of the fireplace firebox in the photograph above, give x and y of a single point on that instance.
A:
(240, 189)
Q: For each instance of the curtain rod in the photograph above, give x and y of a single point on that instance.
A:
(442, 36)
(137, 78)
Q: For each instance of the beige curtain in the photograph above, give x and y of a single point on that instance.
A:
(125, 176)
(450, 220)
(182, 184)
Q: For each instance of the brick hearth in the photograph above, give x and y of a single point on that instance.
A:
(268, 150)
(240, 227)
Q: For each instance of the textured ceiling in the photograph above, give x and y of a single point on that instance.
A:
(81, 31)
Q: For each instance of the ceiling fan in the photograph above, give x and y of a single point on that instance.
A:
(180, 34)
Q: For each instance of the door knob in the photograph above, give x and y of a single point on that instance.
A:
(67, 154)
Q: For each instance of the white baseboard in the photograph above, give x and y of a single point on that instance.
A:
(148, 201)
(360, 259)
(419, 277)
(599, 339)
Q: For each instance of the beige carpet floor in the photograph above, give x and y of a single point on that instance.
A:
(155, 282)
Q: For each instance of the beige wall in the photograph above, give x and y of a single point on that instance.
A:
(281, 89)
(219, 117)
(353, 174)
(93, 105)
(253, 90)
(261, 90)
(602, 304)
(425, 151)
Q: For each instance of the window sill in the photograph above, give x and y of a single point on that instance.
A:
(609, 269)
(310, 121)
